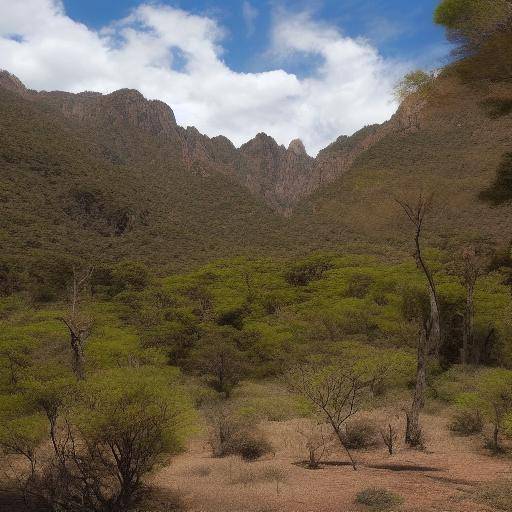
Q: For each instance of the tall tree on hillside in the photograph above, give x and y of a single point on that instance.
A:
(78, 323)
(469, 275)
(430, 332)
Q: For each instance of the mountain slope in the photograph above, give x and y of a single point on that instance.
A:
(448, 144)
(110, 187)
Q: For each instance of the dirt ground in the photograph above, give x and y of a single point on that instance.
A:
(443, 478)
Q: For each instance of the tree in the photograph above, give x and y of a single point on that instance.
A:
(220, 359)
(492, 397)
(108, 435)
(473, 20)
(430, 330)
(337, 394)
(78, 323)
(470, 272)
(412, 83)
(15, 356)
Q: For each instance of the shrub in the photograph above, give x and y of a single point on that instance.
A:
(377, 498)
(467, 422)
(301, 274)
(250, 446)
(359, 434)
(232, 435)
(359, 285)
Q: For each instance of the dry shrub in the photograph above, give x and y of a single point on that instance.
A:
(467, 422)
(377, 498)
(318, 441)
(255, 475)
(361, 433)
(232, 435)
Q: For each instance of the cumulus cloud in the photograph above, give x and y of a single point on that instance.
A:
(173, 55)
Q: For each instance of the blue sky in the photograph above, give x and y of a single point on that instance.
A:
(293, 69)
(401, 29)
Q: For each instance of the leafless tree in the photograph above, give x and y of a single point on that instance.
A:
(78, 323)
(430, 331)
(318, 442)
(389, 436)
(336, 393)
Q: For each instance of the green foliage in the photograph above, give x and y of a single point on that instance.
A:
(377, 498)
(302, 273)
(469, 17)
(141, 404)
(414, 82)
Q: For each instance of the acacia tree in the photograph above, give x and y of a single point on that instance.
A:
(430, 330)
(337, 394)
(219, 359)
(105, 437)
(78, 323)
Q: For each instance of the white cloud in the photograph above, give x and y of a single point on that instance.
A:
(175, 56)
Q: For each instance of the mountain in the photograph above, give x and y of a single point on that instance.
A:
(115, 174)
(279, 176)
(90, 174)
(449, 143)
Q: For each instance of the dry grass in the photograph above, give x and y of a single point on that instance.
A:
(442, 479)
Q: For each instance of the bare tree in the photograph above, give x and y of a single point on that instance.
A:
(78, 323)
(430, 331)
(317, 440)
(389, 436)
(336, 393)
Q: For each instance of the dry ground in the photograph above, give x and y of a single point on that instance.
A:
(444, 478)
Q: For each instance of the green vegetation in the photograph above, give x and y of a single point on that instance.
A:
(379, 499)
(414, 82)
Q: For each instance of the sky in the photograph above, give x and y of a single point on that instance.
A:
(312, 69)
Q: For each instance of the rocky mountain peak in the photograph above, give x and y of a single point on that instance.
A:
(296, 146)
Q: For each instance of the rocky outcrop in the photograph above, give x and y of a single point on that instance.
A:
(12, 83)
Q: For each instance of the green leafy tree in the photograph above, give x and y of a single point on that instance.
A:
(106, 435)
(471, 21)
(417, 81)
(220, 358)
(492, 398)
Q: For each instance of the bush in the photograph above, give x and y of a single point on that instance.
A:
(377, 498)
(301, 274)
(359, 434)
(467, 422)
(250, 446)
(232, 435)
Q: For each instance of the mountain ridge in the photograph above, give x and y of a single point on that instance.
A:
(281, 176)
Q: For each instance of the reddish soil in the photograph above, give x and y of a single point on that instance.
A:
(443, 478)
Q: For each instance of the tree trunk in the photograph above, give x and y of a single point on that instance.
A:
(342, 442)
(413, 428)
(467, 334)
(78, 356)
